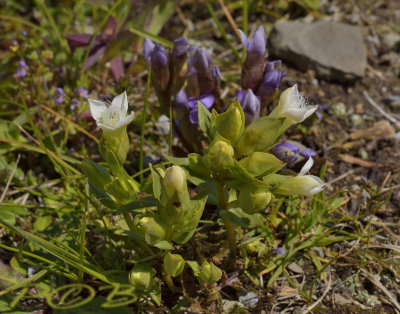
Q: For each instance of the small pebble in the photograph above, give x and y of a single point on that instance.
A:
(356, 119)
(339, 109)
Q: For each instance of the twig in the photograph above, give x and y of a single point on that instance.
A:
(381, 111)
(229, 18)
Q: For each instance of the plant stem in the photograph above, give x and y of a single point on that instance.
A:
(229, 226)
(170, 283)
(146, 100)
(170, 131)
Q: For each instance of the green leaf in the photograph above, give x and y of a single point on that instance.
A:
(8, 217)
(164, 245)
(132, 207)
(204, 119)
(42, 223)
(240, 218)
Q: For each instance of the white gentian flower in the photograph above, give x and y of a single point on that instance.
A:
(309, 184)
(292, 104)
(112, 117)
(301, 184)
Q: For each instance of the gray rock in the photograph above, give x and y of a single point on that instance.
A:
(392, 41)
(334, 50)
(393, 101)
(249, 299)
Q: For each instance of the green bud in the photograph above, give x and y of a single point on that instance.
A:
(209, 273)
(229, 124)
(175, 182)
(154, 230)
(97, 175)
(220, 156)
(258, 136)
(141, 277)
(254, 200)
(173, 264)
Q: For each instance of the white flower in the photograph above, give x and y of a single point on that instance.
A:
(308, 184)
(292, 104)
(112, 117)
(301, 184)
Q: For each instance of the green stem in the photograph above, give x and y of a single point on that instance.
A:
(170, 131)
(229, 226)
(170, 283)
(146, 101)
(245, 16)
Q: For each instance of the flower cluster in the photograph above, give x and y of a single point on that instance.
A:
(59, 96)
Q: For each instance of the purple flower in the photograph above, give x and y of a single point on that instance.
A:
(207, 100)
(21, 71)
(22, 64)
(307, 153)
(285, 151)
(181, 105)
(279, 251)
(318, 113)
(253, 65)
(181, 46)
(82, 92)
(257, 44)
(271, 79)
(148, 48)
(59, 96)
(250, 104)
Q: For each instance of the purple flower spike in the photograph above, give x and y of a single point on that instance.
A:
(279, 251)
(271, 79)
(159, 58)
(250, 104)
(253, 65)
(308, 152)
(159, 68)
(285, 151)
(148, 48)
(82, 92)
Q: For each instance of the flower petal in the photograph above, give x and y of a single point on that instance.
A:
(207, 100)
(307, 166)
(120, 102)
(244, 39)
(126, 120)
(97, 108)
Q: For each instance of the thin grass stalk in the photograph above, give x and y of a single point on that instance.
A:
(144, 115)
(245, 16)
(221, 29)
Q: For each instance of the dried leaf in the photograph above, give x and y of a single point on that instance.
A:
(356, 161)
(381, 129)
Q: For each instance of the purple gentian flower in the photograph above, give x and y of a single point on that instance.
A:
(82, 92)
(148, 48)
(59, 96)
(318, 113)
(285, 151)
(181, 104)
(250, 104)
(22, 64)
(253, 65)
(271, 79)
(181, 46)
(279, 251)
(207, 100)
(307, 153)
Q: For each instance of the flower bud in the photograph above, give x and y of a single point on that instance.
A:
(271, 78)
(153, 228)
(174, 181)
(286, 151)
(259, 136)
(207, 75)
(148, 48)
(173, 264)
(177, 61)
(252, 201)
(142, 276)
(181, 105)
(229, 124)
(250, 104)
(159, 69)
(220, 156)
